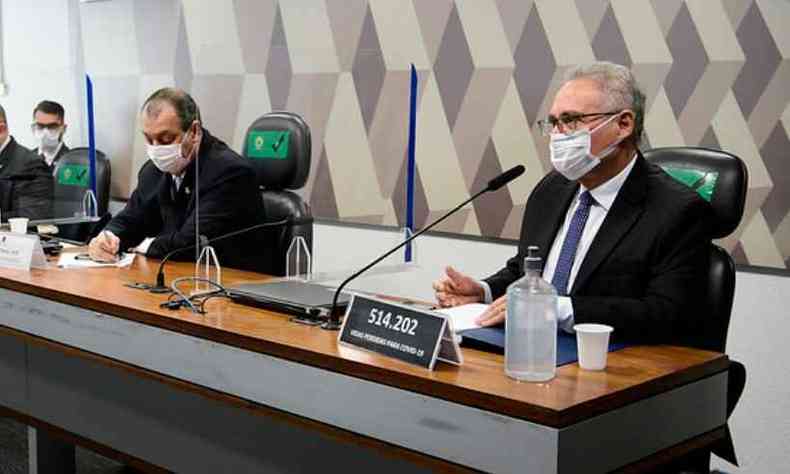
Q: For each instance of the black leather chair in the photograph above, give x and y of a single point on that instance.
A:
(721, 178)
(278, 145)
(71, 182)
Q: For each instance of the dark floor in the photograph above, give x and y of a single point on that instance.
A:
(13, 453)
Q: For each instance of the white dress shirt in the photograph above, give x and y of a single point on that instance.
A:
(603, 198)
(50, 157)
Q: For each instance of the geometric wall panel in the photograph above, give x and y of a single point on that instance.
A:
(715, 73)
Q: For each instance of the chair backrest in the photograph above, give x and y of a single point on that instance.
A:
(719, 177)
(278, 145)
(72, 179)
(722, 179)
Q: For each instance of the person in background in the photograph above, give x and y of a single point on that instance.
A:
(164, 207)
(48, 129)
(26, 184)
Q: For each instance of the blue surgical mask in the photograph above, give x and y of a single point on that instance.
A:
(571, 155)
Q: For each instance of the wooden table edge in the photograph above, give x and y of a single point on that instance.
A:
(436, 388)
(333, 432)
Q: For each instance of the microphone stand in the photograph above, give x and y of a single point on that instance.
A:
(333, 322)
(160, 286)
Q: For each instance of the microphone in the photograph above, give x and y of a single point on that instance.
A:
(505, 178)
(160, 286)
(333, 322)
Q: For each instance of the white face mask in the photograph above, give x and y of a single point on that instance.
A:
(571, 155)
(47, 139)
(168, 158)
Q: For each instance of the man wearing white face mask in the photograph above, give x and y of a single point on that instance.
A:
(621, 241)
(164, 207)
(48, 128)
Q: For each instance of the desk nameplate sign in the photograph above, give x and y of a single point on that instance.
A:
(405, 333)
(21, 251)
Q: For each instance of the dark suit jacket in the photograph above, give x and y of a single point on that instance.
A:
(229, 201)
(26, 184)
(644, 271)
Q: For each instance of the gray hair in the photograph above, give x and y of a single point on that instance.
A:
(619, 88)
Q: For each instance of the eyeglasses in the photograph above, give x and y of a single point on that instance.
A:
(35, 126)
(568, 121)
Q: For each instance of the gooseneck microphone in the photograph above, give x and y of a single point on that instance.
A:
(333, 322)
(504, 178)
(160, 286)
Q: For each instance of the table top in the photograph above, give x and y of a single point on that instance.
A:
(573, 395)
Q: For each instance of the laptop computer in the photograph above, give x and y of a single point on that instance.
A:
(304, 299)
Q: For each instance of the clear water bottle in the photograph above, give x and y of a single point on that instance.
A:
(531, 324)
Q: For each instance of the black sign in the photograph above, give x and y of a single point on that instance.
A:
(407, 334)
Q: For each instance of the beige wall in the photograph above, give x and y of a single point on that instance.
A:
(715, 72)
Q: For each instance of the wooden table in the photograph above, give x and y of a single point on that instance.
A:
(246, 390)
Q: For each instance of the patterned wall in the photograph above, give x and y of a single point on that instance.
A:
(716, 73)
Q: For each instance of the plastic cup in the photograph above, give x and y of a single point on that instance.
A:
(18, 225)
(592, 341)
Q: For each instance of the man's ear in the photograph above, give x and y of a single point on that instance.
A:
(197, 132)
(626, 122)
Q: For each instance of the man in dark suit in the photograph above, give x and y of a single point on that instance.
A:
(49, 126)
(164, 205)
(26, 184)
(623, 243)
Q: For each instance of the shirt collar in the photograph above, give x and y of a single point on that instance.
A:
(5, 143)
(604, 194)
(50, 157)
(177, 180)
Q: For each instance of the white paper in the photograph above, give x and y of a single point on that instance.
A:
(69, 260)
(143, 247)
(463, 317)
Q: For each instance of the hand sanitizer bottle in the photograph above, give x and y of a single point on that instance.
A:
(531, 324)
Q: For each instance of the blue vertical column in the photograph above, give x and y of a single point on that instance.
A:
(411, 164)
(91, 135)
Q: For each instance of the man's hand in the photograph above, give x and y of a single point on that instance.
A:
(495, 314)
(455, 289)
(104, 247)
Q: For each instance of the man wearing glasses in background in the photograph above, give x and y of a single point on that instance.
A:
(48, 129)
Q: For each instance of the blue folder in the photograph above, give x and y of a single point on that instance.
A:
(493, 340)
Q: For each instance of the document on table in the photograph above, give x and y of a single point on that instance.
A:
(78, 260)
(463, 317)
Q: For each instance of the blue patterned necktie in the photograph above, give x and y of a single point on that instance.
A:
(562, 271)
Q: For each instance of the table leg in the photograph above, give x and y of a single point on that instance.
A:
(49, 455)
